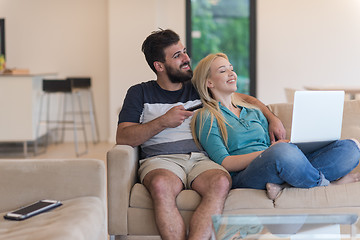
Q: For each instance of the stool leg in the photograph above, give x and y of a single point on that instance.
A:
(64, 119)
(25, 148)
(82, 121)
(56, 122)
(35, 147)
(94, 126)
(75, 126)
(47, 122)
(39, 122)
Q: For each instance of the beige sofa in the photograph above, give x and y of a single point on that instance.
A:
(80, 184)
(130, 208)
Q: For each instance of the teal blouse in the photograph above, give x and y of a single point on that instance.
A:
(246, 134)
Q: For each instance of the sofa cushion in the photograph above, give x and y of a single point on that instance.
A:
(243, 198)
(188, 200)
(80, 218)
(345, 195)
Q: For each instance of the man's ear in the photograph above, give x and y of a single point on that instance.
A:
(159, 66)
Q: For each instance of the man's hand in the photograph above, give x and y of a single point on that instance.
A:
(175, 117)
(276, 129)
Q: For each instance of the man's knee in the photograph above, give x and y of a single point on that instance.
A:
(163, 183)
(212, 181)
(221, 180)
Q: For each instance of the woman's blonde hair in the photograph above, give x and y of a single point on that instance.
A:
(210, 105)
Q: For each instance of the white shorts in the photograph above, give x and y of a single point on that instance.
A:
(186, 166)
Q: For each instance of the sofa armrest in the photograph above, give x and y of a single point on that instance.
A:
(122, 166)
(29, 180)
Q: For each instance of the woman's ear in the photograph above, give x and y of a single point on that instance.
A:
(158, 66)
(209, 83)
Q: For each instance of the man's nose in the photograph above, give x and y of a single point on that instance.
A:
(186, 57)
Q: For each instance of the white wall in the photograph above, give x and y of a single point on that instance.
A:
(130, 22)
(300, 42)
(69, 37)
(306, 42)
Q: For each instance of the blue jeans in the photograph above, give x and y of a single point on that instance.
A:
(286, 163)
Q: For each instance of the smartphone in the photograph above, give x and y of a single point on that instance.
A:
(193, 108)
(32, 209)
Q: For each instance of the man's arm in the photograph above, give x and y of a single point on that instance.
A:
(134, 134)
(276, 128)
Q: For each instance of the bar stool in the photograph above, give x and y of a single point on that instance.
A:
(64, 88)
(83, 86)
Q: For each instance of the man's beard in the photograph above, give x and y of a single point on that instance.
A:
(177, 76)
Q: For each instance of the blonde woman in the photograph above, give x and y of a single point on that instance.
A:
(235, 135)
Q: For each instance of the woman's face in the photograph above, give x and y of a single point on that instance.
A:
(222, 80)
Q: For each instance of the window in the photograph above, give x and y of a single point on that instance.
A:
(2, 36)
(226, 26)
(2, 45)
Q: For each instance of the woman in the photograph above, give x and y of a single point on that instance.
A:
(235, 135)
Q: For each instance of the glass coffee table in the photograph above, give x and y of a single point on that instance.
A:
(291, 227)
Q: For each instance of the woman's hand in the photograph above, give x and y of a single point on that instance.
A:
(279, 141)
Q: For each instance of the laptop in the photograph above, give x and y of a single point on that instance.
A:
(317, 119)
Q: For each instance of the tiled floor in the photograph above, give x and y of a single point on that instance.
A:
(63, 150)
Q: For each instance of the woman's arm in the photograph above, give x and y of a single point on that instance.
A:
(239, 162)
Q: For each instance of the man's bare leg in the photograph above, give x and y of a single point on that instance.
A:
(164, 186)
(213, 186)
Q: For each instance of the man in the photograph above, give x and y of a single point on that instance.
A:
(154, 116)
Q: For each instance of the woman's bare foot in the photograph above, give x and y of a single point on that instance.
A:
(355, 141)
(349, 178)
(273, 190)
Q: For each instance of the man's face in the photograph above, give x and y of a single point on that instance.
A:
(177, 63)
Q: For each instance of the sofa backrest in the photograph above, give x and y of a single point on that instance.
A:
(23, 181)
(350, 124)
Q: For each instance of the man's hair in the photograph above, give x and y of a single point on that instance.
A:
(154, 45)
